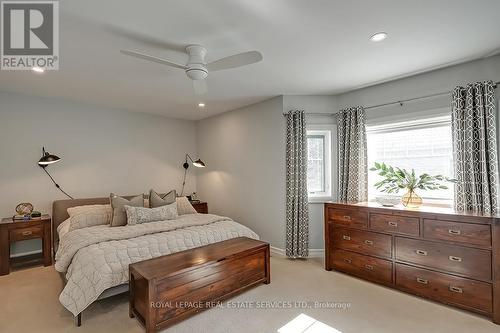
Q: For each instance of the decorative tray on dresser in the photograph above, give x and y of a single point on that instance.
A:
(436, 253)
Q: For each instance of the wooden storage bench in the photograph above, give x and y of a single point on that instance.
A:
(170, 288)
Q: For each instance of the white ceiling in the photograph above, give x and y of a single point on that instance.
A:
(309, 48)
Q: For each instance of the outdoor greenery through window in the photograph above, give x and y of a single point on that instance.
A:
(424, 145)
(318, 163)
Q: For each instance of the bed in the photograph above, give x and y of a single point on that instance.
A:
(93, 261)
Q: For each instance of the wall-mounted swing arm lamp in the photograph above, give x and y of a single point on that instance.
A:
(46, 160)
(198, 163)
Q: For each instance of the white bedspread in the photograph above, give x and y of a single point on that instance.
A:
(97, 258)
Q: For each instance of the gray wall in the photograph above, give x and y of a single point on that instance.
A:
(245, 175)
(102, 150)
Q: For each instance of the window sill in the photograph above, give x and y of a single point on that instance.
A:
(319, 200)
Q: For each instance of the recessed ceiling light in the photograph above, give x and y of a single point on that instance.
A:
(37, 69)
(201, 105)
(378, 37)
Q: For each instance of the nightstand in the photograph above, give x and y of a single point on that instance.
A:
(17, 230)
(201, 207)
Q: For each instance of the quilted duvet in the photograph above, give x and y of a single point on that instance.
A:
(97, 258)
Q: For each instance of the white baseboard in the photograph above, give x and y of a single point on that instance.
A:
(313, 253)
(22, 254)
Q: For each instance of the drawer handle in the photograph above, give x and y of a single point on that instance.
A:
(347, 217)
(27, 233)
(392, 223)
(346, 237)
(454, 232)
(348, 260)
(422, 281)
(369, 267)
(456, 289)
(453, 258)
(421, 252)
(368, 242)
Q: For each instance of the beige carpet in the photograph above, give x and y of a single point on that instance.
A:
(29, 303)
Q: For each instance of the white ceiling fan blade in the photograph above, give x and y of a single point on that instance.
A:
(152, 58)
(237, 60)
(200, 87)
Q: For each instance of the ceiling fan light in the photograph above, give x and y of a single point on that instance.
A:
(378, 37)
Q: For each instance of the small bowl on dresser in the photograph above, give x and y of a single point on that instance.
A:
(388, 201)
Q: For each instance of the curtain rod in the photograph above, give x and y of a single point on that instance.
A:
(401, 102)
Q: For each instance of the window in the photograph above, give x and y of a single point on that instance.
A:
(319, 162)
(424, 145)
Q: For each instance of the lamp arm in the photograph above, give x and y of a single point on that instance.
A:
(187, 156)
(56, 184)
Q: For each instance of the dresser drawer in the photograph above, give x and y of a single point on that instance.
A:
(26, 233)
(467, 233)
(395, 224)
(366, 267)
(445, 288)
(348, 217)
(364, 242)
(469, 262)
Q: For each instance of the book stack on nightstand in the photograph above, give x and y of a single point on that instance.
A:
(12, 230)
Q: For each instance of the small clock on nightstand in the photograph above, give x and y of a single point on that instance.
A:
(18, 230)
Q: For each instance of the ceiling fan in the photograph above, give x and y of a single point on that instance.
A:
(197, 68)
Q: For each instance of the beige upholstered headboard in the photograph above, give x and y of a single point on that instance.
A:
(60, 212)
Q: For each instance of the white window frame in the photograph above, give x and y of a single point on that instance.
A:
(326, 131)
(401, 125)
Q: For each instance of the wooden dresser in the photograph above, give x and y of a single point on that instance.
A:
(436, 253)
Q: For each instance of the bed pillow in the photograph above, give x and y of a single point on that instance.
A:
(158, 200)
(184, 206)
(88, 216)
(118, 205)
(63, 228)
(139, 215)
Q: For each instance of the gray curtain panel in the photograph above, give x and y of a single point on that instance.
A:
(475, 147)
(353, 170)
(297, 213)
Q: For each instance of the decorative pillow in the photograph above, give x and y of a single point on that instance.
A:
(88, 216)
(184, 206)
(118, 203)
(138, 215)
(158, 200)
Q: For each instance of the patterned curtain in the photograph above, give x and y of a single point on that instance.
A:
(297, 213)
(353, 170)
(475, 148)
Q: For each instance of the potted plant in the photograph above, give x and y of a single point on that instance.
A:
(395, 179)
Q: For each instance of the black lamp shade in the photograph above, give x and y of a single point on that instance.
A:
(47, 159)
(199, 163)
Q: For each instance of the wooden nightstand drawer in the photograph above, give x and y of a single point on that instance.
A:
(26, 233)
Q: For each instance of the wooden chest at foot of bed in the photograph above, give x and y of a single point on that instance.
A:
(170, 288)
